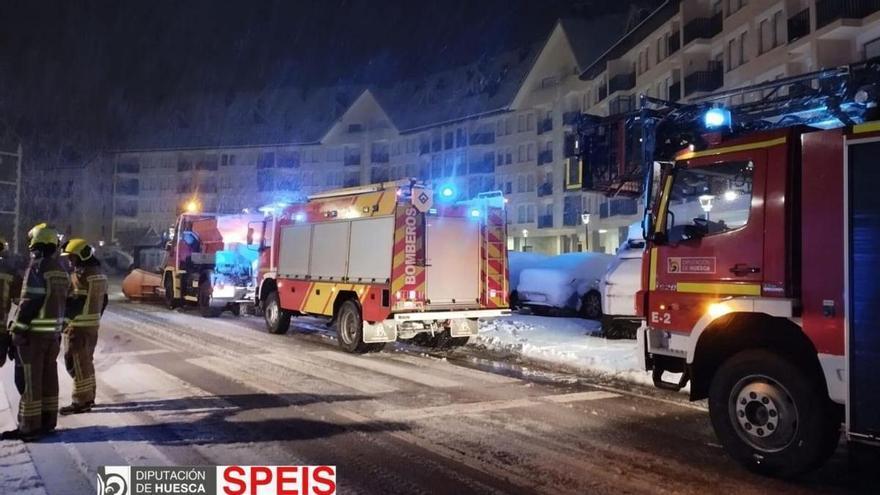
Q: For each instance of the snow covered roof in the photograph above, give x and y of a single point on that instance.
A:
(487, 85)
(276, 116)
(589, 38)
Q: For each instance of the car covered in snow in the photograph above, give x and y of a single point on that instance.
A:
(620, 284)
(568, 283)
(517, 261)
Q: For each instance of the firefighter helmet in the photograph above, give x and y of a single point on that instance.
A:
(79, 247)
(41, 234)
(35, 229)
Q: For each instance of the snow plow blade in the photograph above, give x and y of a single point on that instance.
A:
(140, 285)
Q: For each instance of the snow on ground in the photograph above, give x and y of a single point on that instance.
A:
(572, 342)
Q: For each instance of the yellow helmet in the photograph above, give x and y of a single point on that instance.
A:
(79, 247)
(43, 235)
(36, 228)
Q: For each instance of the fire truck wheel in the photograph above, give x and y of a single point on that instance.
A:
(277, 320)
(235, 309)
(771, 416)
(205, 296)
(591, 306)
(170, 301)
(350, 329)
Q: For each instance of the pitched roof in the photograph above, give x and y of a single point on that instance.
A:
(590, 38)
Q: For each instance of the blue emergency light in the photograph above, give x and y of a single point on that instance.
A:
(717, 117)
(447, 192)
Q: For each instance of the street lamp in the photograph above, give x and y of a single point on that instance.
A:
(706, 203)
(525, 234)
(585, 219)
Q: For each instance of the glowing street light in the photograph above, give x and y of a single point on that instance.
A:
(192, 206)
(706, 203)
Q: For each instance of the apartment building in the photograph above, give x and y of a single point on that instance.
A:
(500, 123)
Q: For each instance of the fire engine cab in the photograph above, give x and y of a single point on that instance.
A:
(386, 262)
(761, 274)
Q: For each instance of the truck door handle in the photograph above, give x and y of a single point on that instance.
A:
(741, 269)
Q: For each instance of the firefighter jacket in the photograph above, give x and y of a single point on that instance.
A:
(43, 296)
(10, 282)
(88, 295)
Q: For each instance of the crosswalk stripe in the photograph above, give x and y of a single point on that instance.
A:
(349, 380)
(489, 406)
(453, 369)
(408, 373)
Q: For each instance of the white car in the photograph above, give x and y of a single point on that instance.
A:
(517, 261)
(565, 283)
(620, 284)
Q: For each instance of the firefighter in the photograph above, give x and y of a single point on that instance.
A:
(36, 335)
(10, 280)
(85, 304)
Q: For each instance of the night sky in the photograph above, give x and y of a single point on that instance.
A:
(72, 71)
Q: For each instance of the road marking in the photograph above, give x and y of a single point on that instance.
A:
(122, 354)
(453, 369)
(470, 408)
(348, 380)
(402, 372)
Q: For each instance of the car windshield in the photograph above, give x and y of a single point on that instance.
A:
(709, 200)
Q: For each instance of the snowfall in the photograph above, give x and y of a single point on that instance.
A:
(573, 343)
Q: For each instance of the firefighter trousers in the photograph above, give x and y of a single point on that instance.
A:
(79, 355)
(36, 378)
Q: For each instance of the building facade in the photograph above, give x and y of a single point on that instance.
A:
(504, 124)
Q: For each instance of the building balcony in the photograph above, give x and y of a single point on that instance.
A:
(545, 156)
(703, 27)
(480, 138)
(545, 125)
(674, 44)
(379, 157)
(424, 148)
(704, 80)
(622, 82)
(621, 104)
(572, 219)
(352, 160)
(545, 221)
(570, 118)
(603, 92)
(799, 25)
(545, 189)
(675, 92)
(828, 11)
(618, 207)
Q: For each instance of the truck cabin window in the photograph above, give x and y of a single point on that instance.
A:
(709, 200)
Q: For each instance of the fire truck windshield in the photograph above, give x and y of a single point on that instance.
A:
(706, 200)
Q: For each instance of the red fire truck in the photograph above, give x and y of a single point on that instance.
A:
(386, 262)
(761, 269)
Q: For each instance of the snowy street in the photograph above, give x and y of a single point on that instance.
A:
(174, 388)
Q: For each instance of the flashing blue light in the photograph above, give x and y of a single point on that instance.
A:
(717, 117)
(299, 217)
(475, 212)
(447, 191)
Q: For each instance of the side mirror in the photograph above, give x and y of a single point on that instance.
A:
(250, 235)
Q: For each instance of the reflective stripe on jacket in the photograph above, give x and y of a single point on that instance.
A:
(43, 297)
(86, 301)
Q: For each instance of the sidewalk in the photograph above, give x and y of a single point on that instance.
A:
(17, 471)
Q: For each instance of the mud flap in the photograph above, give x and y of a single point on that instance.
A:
(642, 347)
(382, 331)
(463, 327)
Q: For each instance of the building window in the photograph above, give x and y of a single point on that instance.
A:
(743, 53)
(779, 26)
(872, 48)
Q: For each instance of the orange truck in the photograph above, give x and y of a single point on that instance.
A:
(385, 262)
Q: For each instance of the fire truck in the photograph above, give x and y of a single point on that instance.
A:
(211, 262)
(761, 272)
(385, 262)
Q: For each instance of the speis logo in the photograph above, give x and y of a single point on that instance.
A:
(410, 245)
